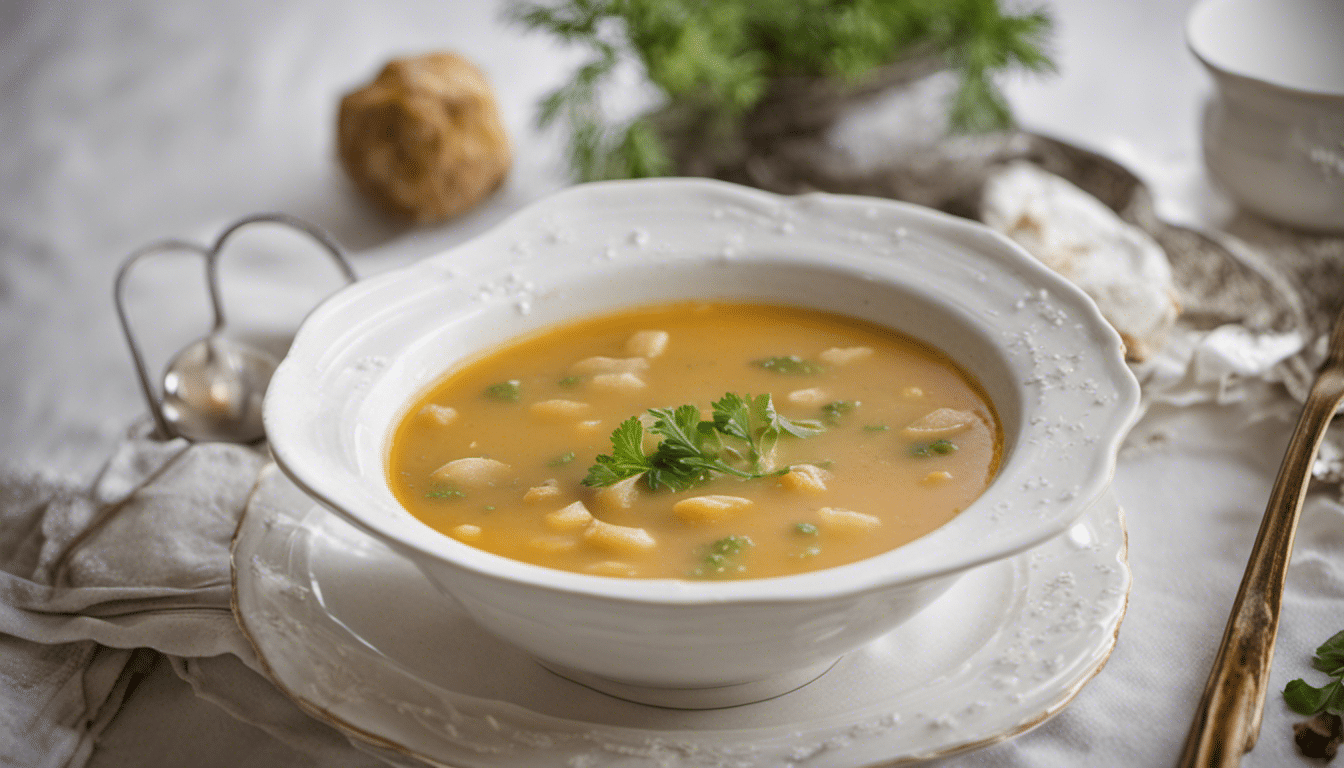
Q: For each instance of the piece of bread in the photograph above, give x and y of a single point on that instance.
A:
(424, 140)
(1119, 265)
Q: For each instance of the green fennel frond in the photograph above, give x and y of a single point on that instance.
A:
(715, 60)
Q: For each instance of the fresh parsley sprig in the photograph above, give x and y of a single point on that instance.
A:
(754, 421)
(1306, 699)
(737, 442)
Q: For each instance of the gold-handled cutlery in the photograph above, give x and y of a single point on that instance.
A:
(1227, 720)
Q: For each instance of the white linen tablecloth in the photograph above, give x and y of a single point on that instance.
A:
(127, 122)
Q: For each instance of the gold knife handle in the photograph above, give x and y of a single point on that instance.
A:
(1227, 720)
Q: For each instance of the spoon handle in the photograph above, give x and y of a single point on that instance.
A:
(1227, 720)
(313, 231)
(162, 428)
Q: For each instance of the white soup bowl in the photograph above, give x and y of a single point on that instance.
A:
(1052, 367)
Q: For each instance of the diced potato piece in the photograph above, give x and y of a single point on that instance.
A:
(810, 396)
(592, 366)
(553, 544)
(443, 415)
(618, 382)
(912, 393)
(943, 421)
(709, 508)
(647, 343)
(805, 478)
(937, 477)
(473, 472)
(465, 532)
(847, 520)
(589, 427)
(611, 568)
(846, 355)
(570, 518)
(558, 410)
(618, 495)
(618, 538)
(547, 491)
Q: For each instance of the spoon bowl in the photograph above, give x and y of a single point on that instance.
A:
(213, 389)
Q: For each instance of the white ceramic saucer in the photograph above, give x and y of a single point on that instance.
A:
(359, 638)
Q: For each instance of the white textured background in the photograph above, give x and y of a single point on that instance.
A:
(125, 122)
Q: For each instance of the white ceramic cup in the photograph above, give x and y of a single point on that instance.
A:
(1273, 132)
(1052, 366)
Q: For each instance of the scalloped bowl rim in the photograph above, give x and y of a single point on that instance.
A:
(346, 312)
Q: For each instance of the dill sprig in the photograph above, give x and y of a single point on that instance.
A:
(712, 61)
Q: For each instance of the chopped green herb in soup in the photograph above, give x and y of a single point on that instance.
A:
(699, 441)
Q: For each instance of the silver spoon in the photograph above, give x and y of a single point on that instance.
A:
(213, 389)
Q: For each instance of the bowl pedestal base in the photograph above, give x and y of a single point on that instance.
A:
(716, 697)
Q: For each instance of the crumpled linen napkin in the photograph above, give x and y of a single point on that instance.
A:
(154, 577)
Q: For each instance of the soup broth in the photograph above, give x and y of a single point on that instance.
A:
(697, 440)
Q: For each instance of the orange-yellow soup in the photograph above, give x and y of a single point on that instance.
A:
(875, 440)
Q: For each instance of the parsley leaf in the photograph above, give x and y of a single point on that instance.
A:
(507, 391)
(936, 448)
(791, 365)
(1306, 699)
(831, 412)
(755, 421)
(730, 545)
(626, 459)
(1330, 656)
(562, 459)
(720, 558)
(445, 493)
